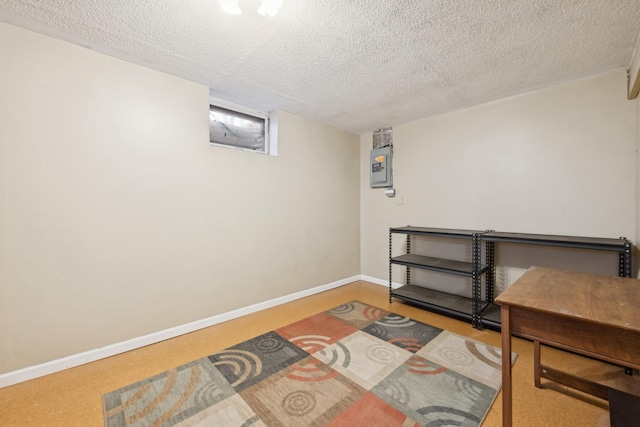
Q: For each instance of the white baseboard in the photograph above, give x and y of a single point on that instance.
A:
(381, 282)
(31, 372)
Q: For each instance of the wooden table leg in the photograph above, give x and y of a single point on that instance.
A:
(506, 367)
(624, 408)
(536, 363)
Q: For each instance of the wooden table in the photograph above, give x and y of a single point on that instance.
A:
(592, 315)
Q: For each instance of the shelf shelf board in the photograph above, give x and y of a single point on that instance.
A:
(596, 243)
(439, 302)
(460, 268)
(438, 232)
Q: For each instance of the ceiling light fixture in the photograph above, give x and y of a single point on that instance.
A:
(231, 6)
(270, 7)
(267, 7)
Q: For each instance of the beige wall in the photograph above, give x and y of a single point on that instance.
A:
(4, 306)
(556, 161)
(118, 218)
(636, 103)
(634, 71)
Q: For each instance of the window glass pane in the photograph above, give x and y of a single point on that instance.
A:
(236, 129)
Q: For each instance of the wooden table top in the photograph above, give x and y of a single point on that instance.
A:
(606, 300)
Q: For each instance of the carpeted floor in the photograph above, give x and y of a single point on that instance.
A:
(354, 365)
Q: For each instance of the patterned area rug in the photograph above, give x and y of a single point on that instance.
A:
(354, 365)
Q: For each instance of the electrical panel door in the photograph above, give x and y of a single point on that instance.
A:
(380, 167)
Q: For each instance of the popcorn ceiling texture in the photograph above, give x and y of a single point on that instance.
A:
(358, 65)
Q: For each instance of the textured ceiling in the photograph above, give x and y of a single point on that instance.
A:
(358, 65)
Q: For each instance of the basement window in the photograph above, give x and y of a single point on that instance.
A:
(239, 127)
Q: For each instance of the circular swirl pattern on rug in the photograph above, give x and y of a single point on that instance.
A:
(343, 309)
(457, 356)
(269, 345)
(381, 354)
(378, 330)
(424, 334)
(299, 403)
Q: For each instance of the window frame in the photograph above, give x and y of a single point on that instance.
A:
(270, 126)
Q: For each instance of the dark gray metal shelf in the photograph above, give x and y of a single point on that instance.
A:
(595, 243)
(481, 313)
(455, 306)
(460, 268)
(435, 232)
(490, 313)
(444, 303)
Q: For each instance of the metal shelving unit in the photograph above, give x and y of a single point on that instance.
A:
(489, 314)
(472, 309)
(459, 307)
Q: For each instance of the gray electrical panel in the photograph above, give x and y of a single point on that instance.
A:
(380, 167)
